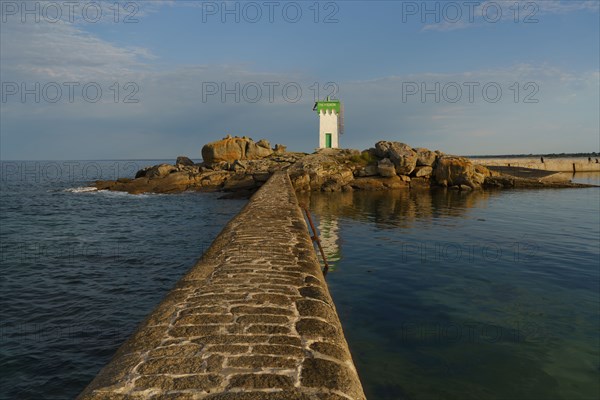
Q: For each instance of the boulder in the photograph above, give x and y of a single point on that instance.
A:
(221, 166)
(264, 143)
(404, 158)
(369, 170)
(378, 183)
(230, 149)
(334, 180)
(279, 149)
(156, 171)
(455, 171)
(483, 170)
(367, 183)
(386, 168)
(420, 183)
(396, 182)
(142, 172)
(422, 171)
(182, 160)
(370, 153)
(238, 165)
(300, 181)
(173, 183)
(239, 182)
(258, 150)
(214, 179)
(191, 169)
(382, 149)
(401, 154)
(425, 157)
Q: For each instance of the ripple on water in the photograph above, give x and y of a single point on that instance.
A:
(81, 268)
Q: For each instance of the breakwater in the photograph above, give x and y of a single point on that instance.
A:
(253, 319)
(566, 164)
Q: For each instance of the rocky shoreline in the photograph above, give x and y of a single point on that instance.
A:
(239, 166)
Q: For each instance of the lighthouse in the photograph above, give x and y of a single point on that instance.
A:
(331, 122)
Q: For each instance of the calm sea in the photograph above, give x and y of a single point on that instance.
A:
(486, 295)
(442, 295)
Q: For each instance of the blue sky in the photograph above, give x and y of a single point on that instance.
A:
(528, 80)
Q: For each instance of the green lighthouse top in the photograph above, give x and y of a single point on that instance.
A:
(333, 105)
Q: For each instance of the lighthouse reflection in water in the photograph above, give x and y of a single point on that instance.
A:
(329, 235)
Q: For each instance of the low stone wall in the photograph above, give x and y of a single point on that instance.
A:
(567, 164)
(252, 320)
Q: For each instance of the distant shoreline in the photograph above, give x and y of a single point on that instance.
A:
(570, 164)
(551, 155)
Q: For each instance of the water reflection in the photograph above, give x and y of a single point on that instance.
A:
(328, 230)
(387, 210)
(590, 178)
(392, 209)
(514, 315)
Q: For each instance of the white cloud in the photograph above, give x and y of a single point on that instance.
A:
(564, 7)
(503, 11)
(64, 51)
(172, 118)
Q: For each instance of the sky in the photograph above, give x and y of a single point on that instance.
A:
(157, 79)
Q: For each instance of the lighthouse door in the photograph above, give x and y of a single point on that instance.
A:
(328, 140)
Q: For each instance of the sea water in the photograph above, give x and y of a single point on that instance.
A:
(442, 295)
(483, 295)
(81, 268)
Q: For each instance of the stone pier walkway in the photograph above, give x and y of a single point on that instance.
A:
(252, 320)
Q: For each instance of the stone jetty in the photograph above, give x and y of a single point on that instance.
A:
(253, 319)
(554, 164)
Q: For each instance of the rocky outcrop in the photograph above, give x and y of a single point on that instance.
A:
(240, 165)
(319, 172)
(236, 176)
(512, 182)
(456, 171)
(230, 149)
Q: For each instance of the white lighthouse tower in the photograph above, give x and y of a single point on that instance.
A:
(331, 122)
